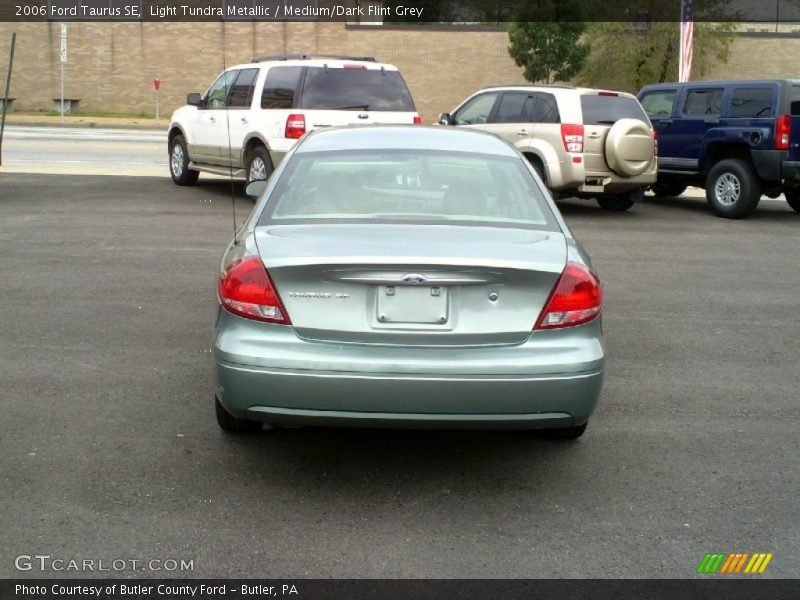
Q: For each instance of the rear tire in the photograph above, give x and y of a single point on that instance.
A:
(537, 166)
(668, 189)
(617, 202)
(733, 188)
(259, 165)
(179, 162)
(793, 198)
(564, 433)
(233, 424)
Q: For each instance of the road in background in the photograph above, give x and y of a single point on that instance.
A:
(104, 151)
(109, 448)
(84, 151)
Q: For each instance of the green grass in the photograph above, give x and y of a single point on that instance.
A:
(99, 113)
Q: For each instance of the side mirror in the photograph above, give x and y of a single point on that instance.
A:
(444, 119)
(255, 188)
(194, 99)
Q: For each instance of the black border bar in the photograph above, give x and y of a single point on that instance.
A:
(387, 589)
(399, 11)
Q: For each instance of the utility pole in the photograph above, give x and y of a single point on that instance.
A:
(5, 98)
(63, 60)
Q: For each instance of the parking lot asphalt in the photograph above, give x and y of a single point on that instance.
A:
(109, 448)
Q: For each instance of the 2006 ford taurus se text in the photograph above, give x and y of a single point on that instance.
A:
(407, 277)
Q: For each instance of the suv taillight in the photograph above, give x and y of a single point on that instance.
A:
(576, 299)
(572, 136)
(245, 289)
(655, 143)
(783, 130)
(295, 126)
(417, 120)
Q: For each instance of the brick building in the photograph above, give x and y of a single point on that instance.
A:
(111, 66)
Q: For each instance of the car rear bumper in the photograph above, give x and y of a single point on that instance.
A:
(791, 170)
(548, 381)
(611, 183)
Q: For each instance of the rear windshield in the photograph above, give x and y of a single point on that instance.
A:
(404, 186)
(607, 110)
(355, 89)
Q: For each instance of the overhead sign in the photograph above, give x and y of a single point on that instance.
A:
(63, 42)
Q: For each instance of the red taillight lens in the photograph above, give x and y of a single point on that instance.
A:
(417, 120)
(577, 298)
(783, 131)
(295, 126)
(245, 289)
(655, 143)
(572, 136)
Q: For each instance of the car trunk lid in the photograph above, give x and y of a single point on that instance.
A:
(411, 284)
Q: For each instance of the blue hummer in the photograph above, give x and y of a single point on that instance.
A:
(736, 139)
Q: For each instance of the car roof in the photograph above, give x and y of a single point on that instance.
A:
(554, 88)
(720, 82)
(405, 137)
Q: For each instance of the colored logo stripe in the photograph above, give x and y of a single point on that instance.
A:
(734, 562)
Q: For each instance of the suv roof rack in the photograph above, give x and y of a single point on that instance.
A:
(269, 57)
(563, 86)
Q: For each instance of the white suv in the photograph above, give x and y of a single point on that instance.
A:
(254, 113)
(583, 142)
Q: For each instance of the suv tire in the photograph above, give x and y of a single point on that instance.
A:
(732, 188)
(233, 424)
(793, 198)
(617, 202)
(668, 189)
(179, 162)
(259, 165)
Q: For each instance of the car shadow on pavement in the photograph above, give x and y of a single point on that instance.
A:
(352, 462)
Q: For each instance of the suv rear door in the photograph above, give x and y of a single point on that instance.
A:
(511, 117)
(632, 147)
(699, 110)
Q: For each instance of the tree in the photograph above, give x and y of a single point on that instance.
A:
(548, 51)
(630, 55)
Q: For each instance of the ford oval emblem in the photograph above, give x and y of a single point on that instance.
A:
(414, 279)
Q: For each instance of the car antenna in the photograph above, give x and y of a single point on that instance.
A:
(230, 153)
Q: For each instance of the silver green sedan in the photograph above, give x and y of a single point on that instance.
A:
(407, 277)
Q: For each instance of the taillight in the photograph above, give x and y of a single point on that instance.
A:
(417, 120)
(295, 126)
(245, 289)
(577, 298)
(783, 130)
(655, 142)
(572, 136)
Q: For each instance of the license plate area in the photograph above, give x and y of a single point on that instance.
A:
(406, 304)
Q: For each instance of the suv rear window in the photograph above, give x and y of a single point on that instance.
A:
(607, 110)
(280, 87)
(355, 89)
(751, 102)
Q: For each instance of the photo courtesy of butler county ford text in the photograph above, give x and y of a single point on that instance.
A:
(399, 299)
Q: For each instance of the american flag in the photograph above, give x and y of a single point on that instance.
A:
(687, 40)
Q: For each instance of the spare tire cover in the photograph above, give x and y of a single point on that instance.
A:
(629, 147)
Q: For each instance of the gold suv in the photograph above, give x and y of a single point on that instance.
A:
(583, 142)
